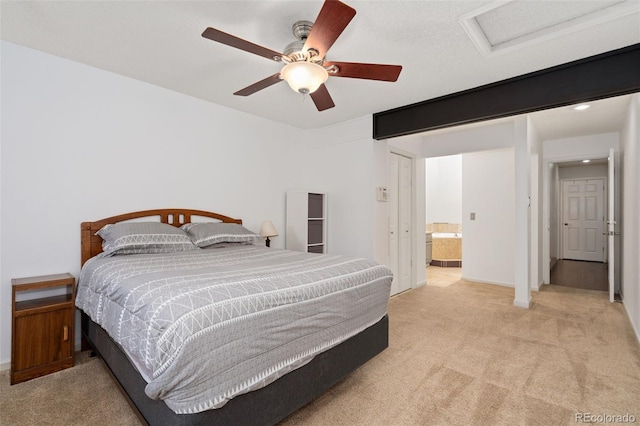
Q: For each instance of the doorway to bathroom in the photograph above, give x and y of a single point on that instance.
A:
(470, 198)
(443, 183)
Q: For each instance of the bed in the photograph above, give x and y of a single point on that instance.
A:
(263, 395)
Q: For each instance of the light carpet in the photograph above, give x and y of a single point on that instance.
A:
(458, 355)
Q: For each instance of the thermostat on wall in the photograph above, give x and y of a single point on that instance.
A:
(382, 194)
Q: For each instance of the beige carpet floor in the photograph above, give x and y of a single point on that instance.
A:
(82, 395)
(458, 355)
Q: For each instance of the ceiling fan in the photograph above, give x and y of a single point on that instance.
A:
(306, 68)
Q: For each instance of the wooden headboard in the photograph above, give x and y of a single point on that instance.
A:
(91, 244)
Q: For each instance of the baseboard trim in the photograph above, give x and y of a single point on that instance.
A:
(537, 287)
(633, 325)
(477, 280)
(542, 284)
(5, 365)
(522, 303)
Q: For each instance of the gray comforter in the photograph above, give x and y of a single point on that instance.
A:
(206, 325)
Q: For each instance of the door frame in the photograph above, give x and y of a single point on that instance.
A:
(613, 214)
(548, 162)
(413, 251)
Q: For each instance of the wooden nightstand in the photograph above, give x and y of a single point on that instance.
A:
(42, 327)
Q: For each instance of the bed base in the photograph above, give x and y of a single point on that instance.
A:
(265, 406)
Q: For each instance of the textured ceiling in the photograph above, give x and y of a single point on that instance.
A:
(515, 19)
(160, 42)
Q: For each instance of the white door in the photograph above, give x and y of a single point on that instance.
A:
(404, 220)
(583, 219)
(392, 196)
(611, 226)
(400, 213)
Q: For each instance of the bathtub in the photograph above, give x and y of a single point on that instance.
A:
(446, 249)
(446, 235)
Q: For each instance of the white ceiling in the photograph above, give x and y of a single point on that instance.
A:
(160, 42)
(603, 116)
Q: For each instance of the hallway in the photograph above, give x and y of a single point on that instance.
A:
(580, 274)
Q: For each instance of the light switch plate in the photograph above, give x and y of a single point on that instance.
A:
(472, 216)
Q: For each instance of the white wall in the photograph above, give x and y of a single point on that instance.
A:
(583, 172)
(79, 143)
(345, 162)
(339, 160)
(495, 134)
(535, 204)
(522, 182)
(488, 242)
(630, 230)
(444, 189)
(493, 140)
(5, 296)
(580, 147)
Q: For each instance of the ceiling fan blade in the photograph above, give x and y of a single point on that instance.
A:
(365, 71)
(322, 98)
(238, 43)
(262, 84)
(331, 21)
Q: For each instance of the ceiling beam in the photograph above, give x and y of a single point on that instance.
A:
(602, 76)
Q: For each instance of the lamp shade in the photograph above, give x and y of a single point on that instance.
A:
(304, 77)
(267, 229)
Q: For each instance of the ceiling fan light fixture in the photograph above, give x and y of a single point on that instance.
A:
(304, 77)
(303, 61)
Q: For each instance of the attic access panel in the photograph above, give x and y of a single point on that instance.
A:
(503, 26)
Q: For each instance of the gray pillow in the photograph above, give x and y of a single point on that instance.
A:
(143, 238)
(204, 234)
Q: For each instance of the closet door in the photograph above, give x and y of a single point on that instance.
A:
(400, 212)
(392, 194)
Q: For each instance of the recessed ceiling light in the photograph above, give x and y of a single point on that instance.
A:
(586, 161)
(581, 107)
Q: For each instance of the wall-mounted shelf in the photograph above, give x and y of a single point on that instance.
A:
(306, 222)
